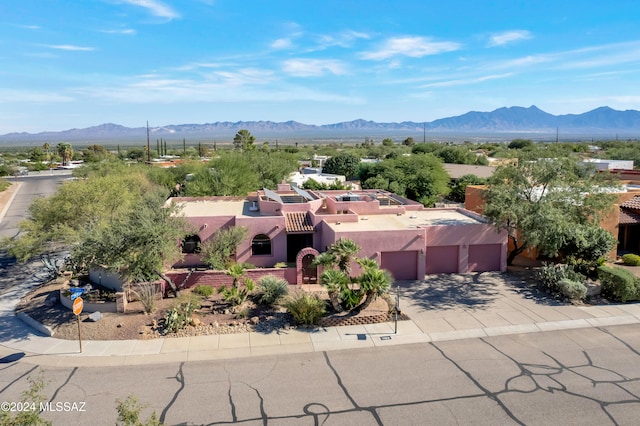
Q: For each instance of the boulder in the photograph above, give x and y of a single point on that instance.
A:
(95, 316)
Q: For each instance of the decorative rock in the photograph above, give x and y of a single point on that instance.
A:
(195, 321)
(593, 288)
(255, 320)
(95, 316)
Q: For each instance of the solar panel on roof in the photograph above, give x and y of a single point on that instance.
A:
(270, 194)
(304, 194)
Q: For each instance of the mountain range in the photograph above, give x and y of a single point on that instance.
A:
(531, 121)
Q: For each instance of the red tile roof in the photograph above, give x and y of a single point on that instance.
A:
(627, 217)
(298, 222)
(633, 203)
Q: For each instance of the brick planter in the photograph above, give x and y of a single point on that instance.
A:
(360, 319)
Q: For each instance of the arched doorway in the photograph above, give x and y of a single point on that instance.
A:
(306, 272)
(309, 270)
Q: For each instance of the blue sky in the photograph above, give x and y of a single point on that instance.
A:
(73, 64)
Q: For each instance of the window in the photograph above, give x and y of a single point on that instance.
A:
(261, 245)
(191, 244)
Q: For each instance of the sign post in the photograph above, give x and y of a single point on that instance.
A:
(78, 304)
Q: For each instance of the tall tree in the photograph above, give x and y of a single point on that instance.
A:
(540, 201)
(65, 150)
(418, 177)
(244, 140)
(47, 149)
(138, 245)
(342, 164)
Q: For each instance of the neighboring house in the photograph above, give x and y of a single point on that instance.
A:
(619, 222)
(293, 225)
(456, 171)
(629, 225)
(601, 164)
(299, 178)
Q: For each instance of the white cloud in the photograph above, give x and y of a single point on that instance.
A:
(282, 43)
(228, 87)
(125, 31)
(242, 77)
(70, 47)
(27, 96)
(414, 47)
(343, 39)
(602, 56)
(507, 37)
(464, 82)
(313, 67)
(156, 8)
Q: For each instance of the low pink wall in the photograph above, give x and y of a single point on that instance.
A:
(219, 278)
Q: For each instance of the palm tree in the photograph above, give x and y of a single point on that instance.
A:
(335, 281)
(65, 150)
(374, 282)
(46, 148)
(339, 253)
(343, 250)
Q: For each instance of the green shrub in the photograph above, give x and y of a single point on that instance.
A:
(129, 413)
(146, 294)
(179, 316)
(551, 274)
(631, 259)
(204, 290)
(572, 289)
(271, 289)
(618, 284)
(237, 295)
(306, 308)
(33, 396)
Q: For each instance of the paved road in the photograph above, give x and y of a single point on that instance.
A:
(581, 376)
(31, 187)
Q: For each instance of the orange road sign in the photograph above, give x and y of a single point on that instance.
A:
(78, 304)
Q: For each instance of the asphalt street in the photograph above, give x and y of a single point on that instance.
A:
(31, 187)
(581, 376)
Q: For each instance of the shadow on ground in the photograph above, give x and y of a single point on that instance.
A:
(471, 291)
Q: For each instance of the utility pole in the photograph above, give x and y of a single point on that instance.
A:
(148, 147)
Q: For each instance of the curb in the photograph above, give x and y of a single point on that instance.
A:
(10, 200)
(38, 326)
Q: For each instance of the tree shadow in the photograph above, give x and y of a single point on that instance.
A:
(471, 291)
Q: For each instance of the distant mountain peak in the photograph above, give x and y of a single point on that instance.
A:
(513, 119)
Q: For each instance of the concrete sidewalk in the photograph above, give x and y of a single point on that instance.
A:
(441, 307)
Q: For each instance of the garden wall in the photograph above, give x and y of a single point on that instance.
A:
(219, 278)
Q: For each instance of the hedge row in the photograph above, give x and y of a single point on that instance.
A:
(619, 284)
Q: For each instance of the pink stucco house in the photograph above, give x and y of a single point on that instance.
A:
(293, 225)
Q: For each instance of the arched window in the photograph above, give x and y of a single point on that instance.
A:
(261, 245)
(191, 244)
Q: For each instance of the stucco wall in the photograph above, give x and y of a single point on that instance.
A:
(274, 228)
(219, 278)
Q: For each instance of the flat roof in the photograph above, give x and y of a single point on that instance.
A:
(409, 220)
(220, 207)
